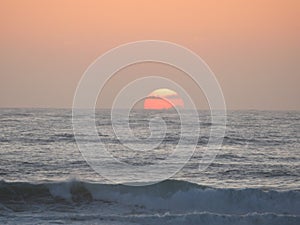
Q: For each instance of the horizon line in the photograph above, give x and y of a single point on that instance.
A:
(108, 108)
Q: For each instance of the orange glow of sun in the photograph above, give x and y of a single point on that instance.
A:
(163, 99)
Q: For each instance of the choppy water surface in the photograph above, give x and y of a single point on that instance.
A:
(255, 178)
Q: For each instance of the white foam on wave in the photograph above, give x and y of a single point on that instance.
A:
(169, 202)
(216, 219)
(179, 196)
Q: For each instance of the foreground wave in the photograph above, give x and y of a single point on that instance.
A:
(169, 195)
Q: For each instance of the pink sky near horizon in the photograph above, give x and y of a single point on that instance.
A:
(252, 47)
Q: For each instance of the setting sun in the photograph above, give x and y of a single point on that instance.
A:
(163, 99)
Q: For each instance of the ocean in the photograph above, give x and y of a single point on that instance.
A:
(254, 179)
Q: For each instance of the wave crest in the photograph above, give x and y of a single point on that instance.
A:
(170, 195)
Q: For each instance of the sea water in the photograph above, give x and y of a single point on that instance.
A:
(254, 179)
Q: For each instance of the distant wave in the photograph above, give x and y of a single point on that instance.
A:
(170, 195)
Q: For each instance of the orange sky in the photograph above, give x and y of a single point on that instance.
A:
(252, 46)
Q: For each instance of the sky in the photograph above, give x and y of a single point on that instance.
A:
(252, 47)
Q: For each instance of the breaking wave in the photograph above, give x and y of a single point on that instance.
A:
(175, 195)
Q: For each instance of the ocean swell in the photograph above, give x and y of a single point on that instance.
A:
(173, 195)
